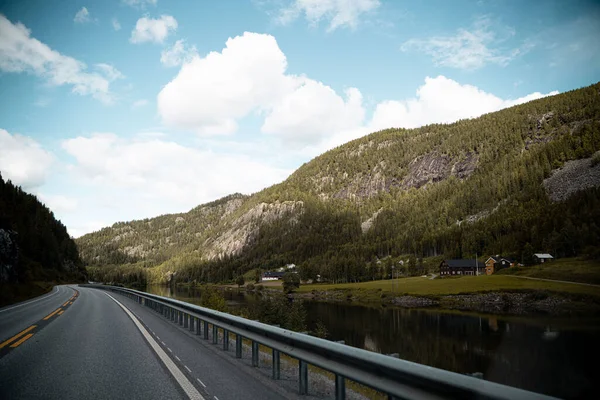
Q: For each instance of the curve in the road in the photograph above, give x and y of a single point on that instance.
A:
(16, 340)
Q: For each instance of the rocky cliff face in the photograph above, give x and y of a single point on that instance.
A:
(9, 255)
(244, 230)
(573, 177)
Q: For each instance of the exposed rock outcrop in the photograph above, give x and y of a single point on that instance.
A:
(434, 167)
(244, 229)
(574, 176)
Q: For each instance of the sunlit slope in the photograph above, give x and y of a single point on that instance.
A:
(474, 186)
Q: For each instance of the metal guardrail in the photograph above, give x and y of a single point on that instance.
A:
(397, 378)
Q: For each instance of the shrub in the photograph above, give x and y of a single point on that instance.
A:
(291, 281)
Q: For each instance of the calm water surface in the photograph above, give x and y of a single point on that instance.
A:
(551, 355)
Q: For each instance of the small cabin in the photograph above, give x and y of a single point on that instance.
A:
(541, 258)
(496, 263)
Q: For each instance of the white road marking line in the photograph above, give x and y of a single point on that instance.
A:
(178, 359)
(202, 383)
(43, 297)
(163, 343)
(179, 376)
(186, 367)
(157, 336)
(169, 349)
(216, 398)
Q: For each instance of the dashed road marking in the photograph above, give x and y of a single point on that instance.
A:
(189, 389)
(186, 367)
(202, 383)
(178, 359)
(169, 350)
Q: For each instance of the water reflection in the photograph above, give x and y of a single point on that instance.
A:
(543, 354)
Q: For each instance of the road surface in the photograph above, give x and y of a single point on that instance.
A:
(83, 343)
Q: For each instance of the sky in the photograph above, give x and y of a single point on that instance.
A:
(117, 110)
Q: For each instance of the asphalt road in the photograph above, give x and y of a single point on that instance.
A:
(80, 343)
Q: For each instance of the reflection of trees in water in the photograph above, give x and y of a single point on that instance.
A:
(507, 352)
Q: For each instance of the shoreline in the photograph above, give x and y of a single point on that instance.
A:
(507, 302)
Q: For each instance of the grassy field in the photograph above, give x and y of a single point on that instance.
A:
(420, 286)
(565, 269)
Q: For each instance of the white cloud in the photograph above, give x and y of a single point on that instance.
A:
(23, 160)
(59, 204)
(314, 111)
(82, 16)
(42, 102)
(469, 49)
(116, 24)
(339, 13)
(153, 30)
(209, 94)
(139, 103)
(139, 3)
(178, 54)
(21, 53)
(110, 72)
(149, 176)
(441, 100)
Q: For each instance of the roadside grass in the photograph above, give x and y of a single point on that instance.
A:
(419, 286)
(565, 269)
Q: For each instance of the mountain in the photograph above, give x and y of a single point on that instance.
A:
(491, 185)
(34, 246)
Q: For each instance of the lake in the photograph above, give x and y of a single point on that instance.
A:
(545, 354)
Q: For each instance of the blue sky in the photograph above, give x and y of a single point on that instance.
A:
(123, 109)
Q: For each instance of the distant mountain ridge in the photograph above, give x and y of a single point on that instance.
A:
(457, 189)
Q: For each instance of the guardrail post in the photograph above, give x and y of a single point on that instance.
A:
(185, 320)
(172, 314)
(198, 327)
(225, 339)
(215, 335)
(206, 330)
(238, 346)
(276, 364)
(191, 323)
(340, 387)
(180, 318)
(254, 354)
(303, 377)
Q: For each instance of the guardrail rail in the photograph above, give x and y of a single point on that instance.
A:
(398, 379)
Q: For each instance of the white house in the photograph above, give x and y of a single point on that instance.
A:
(543, 257)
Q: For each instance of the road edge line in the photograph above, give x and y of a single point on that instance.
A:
(30, 301)
(189, 389)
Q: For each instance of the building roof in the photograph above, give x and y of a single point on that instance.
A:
(543, 255)
(497, 258)
(463, 263)
(270, 274)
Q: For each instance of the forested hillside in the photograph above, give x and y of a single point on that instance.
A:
(485, 185)
(34, 246)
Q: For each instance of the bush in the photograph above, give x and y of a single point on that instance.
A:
(250, 287)
(291, 282)
(240, 281)
(260, 288)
